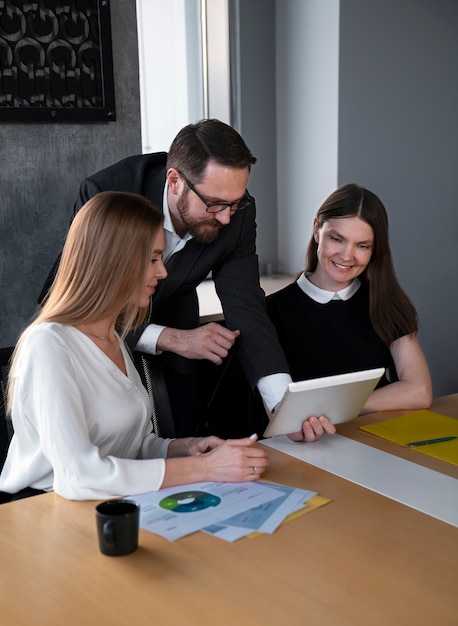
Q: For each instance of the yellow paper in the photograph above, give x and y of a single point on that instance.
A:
(312, 503)
(419, 426)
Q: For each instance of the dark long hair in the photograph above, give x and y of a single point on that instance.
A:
(391, 310)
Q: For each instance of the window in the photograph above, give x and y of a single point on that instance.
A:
(185, 69)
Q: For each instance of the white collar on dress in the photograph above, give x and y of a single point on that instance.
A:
(321, 295)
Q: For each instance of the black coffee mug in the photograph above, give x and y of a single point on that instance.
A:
(117, 526)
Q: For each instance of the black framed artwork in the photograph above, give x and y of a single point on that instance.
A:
(56, 61)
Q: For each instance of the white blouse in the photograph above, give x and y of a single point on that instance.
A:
(81, 427)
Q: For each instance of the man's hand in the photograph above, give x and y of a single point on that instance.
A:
(211, 341)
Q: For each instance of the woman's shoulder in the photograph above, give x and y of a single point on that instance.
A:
(47, 334)
(40, 345)
(45, 329)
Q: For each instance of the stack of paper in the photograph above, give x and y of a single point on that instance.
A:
(267, 517)
(229, 511)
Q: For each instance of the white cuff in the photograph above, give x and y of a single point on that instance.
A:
(272, 388)
(148, 340)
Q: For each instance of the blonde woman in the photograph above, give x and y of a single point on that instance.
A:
(80, 413)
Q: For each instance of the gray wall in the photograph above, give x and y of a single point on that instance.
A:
(398, 135)
(41, 166)
(256, 115)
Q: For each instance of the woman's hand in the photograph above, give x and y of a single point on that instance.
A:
(201, 445)
(313, 429)
(236, 460)
(192, 446)
(214, 459)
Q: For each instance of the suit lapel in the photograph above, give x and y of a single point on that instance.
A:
(180, 270)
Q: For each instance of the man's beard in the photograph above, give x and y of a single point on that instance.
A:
(203, 231)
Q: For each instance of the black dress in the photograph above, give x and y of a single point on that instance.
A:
(326, 339)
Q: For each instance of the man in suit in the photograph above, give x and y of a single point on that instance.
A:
(209, 223)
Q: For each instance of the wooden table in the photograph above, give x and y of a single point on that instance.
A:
(361, 560)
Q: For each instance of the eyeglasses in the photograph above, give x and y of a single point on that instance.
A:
(217, 207)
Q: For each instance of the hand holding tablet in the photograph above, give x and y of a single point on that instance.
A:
(340, 398)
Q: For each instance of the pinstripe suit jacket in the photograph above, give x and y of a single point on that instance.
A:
(231, 258)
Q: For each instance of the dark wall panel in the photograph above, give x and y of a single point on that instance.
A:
(41, 166)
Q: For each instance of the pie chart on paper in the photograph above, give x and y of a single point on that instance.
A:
(189, 501)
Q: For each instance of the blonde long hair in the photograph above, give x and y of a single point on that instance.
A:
(103, 266)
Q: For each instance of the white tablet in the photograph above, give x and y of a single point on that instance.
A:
(340, 398)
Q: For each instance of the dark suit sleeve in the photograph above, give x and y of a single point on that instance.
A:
(88, 189)
(243, 302)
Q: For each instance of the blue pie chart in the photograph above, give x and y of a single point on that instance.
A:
(189, 501)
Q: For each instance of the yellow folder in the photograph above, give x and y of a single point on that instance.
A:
(420, 426)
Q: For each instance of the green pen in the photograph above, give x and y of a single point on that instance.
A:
(426, 442)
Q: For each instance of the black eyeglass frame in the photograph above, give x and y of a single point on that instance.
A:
(233, 206)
